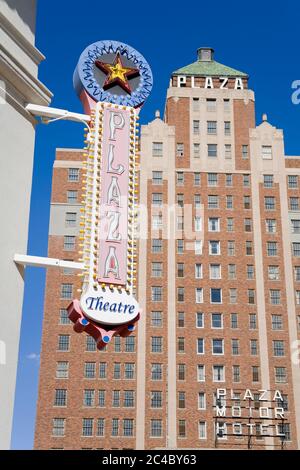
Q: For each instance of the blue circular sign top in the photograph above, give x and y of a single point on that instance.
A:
(114, 72)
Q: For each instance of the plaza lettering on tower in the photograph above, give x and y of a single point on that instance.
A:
(112, 81)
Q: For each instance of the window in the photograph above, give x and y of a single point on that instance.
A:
(200, 373)
(199, 295)
(180, 294)
(277, 322)
(73, 174)
(202, 430)
(251, 296)
(248, 225)
(218, 373)
(198, 271)
(235, 347)
(297, 273)
(294, 203)
(234, 320)
(180, 344)
(216, 320)
(201, 401)
(66, 291)
(117, 343)
(246, 181)
(199, 320)
(156, 399)
(180, 200)
(179, 150)
(180, 246)
(284, 403)
(127, 427)
(91, 344)
(156, 371)
(229, 202)
(157, 199)
(211, 105)
(62, 370)
(232, 296)
(253, 347)
(212, 179)
(129, 370)
(213, 224)
(275, 297)
(101, 398)
(214, 247)
(252, 321)
(156, 344)
(231, 271)
(100, 427)
(180, 178)
(89, 370)
(236, 374)
(181, 371)
(230, 224)
(273, 273)
(213, 202)
(157, 149)
(63, 317)
(268, 181)
(296, 249)
(115, 427)
(266, 152)
(103, 368)
(280, 375)
(249, 247)
(87, 426)
(245, 152)
(157, 221)
(180, 320)
(60, 397)
(272, 248)
(250, 271)
(156, 245)
(247, 202)
(58, 428)
(69, 243)
(278, 348)
(218, 346)
(63, 342)
(71, 218)
(72, 196)
(157, 177)
(117, 370)
(270, 225)
(231, 248)
(198, 224)
(156, 319)
(255, 374)
(197, 179)
(212, 150)
(269, 203)
(155, 427)
(198, 247)
(228, 179)
(228, 151)
(215, 296)
(200, 346)
(215, 271)
(196, 148)
(226, 105)
(181, 428)
(196, 104)
(212, 127)
(295, 225)
(292, 181)
(116, 398)
(156, 294)
(89, 397)
(156, 269)
(196, 127)
(285, 430)
(181, 399)
(227, 128)
(197, 201)
(130, 344)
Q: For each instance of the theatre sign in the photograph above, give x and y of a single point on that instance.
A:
(112, 81)
(248, 413)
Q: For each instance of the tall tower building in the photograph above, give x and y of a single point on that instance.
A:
(213, 363)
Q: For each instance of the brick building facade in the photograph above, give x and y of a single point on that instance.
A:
(220, 288)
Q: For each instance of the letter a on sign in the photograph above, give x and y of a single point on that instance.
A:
(111, 264)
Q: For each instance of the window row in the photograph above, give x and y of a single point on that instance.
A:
(64, 343)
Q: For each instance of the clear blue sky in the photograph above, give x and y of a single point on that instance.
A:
(260, 38)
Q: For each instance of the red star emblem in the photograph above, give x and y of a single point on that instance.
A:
(117, 74)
